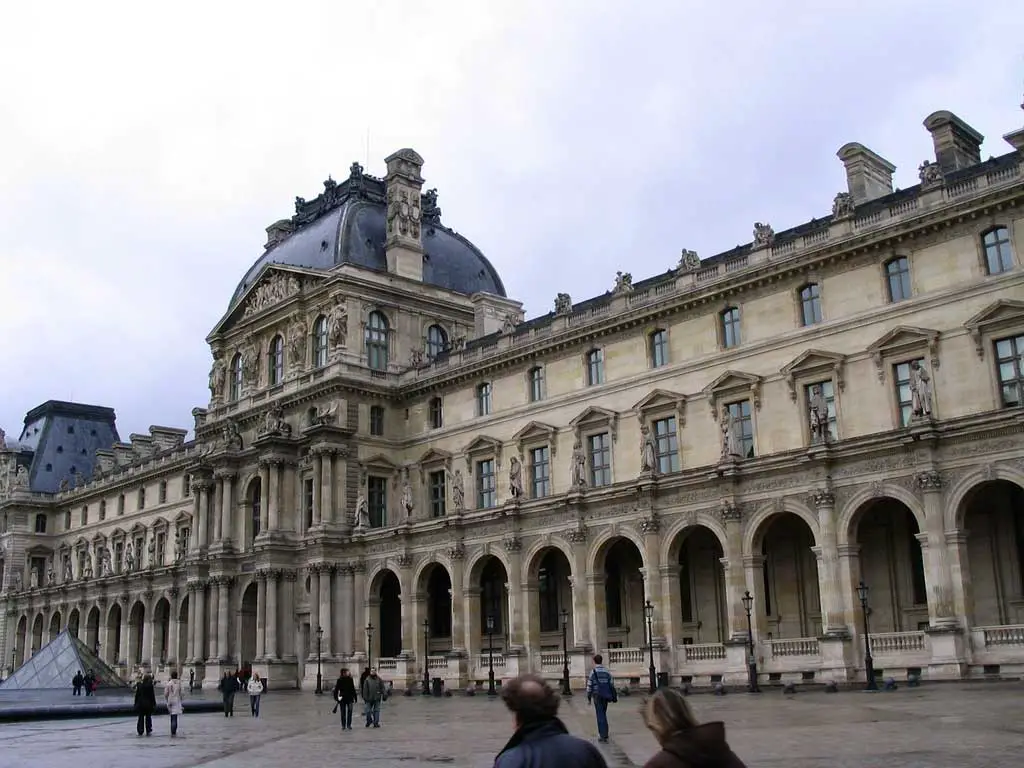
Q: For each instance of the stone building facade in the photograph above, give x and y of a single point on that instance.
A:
(396, 467)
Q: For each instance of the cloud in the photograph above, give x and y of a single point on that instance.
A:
(145, 152)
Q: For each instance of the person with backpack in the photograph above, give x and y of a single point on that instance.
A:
(601, 692)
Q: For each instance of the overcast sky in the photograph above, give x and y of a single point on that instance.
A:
(143, 153)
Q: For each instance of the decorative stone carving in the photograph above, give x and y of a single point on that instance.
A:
(417, 358)
(14, 579)
(106, 566)
(929, 481)
(648, 451)
(578, 466)
(33, 579)
(578, 534)
(563, 304)
(823, 498)
(324, 416)
(69, 573)
(764, 235)
(650, 525)
(404, 213)
(272, 290)
(362, 514)
(920, 391)
(218, 377)
(730, 512)
(818, 415)
(689, 261)
(274, 423)
(732, 441)
(457, 552)
(515, 478)
(20, 481)
(51, 574)
(458, 492)
(623, 282)
(509, 323)
(297, 342)
(408, 503)
(337, 323)
(843, 206)
(930, 174)
(180, 546)
(513, 544)
(151, 551)
(129, 557)
(232, 436)
(65, 485)
(87, 564)
(431, 210)
(404, 560)
(250, 352)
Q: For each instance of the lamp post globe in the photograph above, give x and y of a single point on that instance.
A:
(426, 657)
(869, 662)
(649, 616)
(566, 689)
(491, 690)
(752, 684)
(319, 676)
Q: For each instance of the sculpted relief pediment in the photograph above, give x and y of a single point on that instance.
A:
(733, 384)
(1002, 315)
(904, 340)
(815, 363)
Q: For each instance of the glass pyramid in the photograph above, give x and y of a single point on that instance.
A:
(56, 663)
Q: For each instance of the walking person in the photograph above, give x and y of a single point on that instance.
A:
(145, 705)
(601, 693)
(372, 693)
(76, 683)
(255, 687)
(191, 680)
(345, 698)
(228, 687)
(172, 695)
(685, 743)
(541, 740)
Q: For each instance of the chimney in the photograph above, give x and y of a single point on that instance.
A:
(278, 232)
(403, 244)
(957, 145)
(868, 176)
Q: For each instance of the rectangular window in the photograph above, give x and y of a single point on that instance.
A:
(118, 557)
(547, 589)
(828, 392)
(997, 250)
(377, 501)
(85, 515)
(744, 424)
(486, 484)
(483, 399)
(376, 420)
(810, 304)
(160, 543)
(307, 502)
(659, 348)
(142, 498)
(536, 380)
(186, 486)
(540, 472)
(595, 367)
(438, 494)
(67, 521)
(599, 449)
(667, 445)
(730, 328)
(120, 504)
(436, 408)
(904, 396)
(1010, 364)
(897, 273)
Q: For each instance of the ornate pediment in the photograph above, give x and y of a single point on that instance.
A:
(117, 533)
(815, 363)
(435, 456)
(138, 530)
(183, 518)
(379, 462)
(536, 432)
(595, 416)
(482, 445)
(273, 285)
(160, 524)
(1002, 315)
(662, 400)
(81, 542)
(904, 340)
(733, 385)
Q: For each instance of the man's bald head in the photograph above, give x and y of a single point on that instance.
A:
(530, 698)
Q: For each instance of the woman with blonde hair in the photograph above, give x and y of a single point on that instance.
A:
(685, 743)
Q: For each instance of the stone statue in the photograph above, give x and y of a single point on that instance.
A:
(458, 491)
(272, 290)
(324, 416)
(69, 572)
(362, 514)
(15, 580)
(764, 235)
(648, 451)
(732, 443)
(274, 423)
(151, 551)
(129, 558)
(20, 478)
(65, 485)
(843, 206)
(179, 546)
(407, 500)
(515, 477)
(337, 324)
(623, 282)
(689, 261)
(818, 407)
(106, 566)
(218, 375)
(920, 391)
(297, 335)
(3, 438)
(930, 173)
(87, 564)
(33, 579)
(579, 466)
(563, 304)
(51, 574)
(509, 323)
(250, 353)
(232, 436)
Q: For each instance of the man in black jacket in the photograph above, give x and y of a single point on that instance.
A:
(541, 740)
(345, 695)
(228, 687)
(145, 705)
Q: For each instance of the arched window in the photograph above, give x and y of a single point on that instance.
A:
(275, 362)
(235, 378)
(320, 342)
(998, 258)
(377, 341)
(437, 341)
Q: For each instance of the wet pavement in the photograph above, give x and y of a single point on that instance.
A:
(937, 726)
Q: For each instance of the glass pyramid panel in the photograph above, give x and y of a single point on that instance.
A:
(55, 664)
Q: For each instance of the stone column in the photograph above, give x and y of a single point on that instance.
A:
(464, 629)
(516, 604)
(261, 615)
(203, 520)
(405, 580)
(147, 630)
(199, 627)
(735, 566)
(753, 568)
(102, 635)
(849, 577)
(227, 505)
(274, 496)
(651, 528)
(326, 620)
(941, 604)
(591, 591)
(326, 510)
(359, 618)
(213, 612)
(272, 649)
(122, 652)
(264, 496)
(828, 566)
(314, 604)
(197, 496)
(217, 503)
(190, 628)
(223, 628)
(318, 479)
(173, 629)
(346, 609)
(671, 618)
(956, 544)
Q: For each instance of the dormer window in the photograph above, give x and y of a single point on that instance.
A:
(275, 362)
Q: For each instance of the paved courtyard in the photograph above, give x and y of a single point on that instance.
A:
(935, 726)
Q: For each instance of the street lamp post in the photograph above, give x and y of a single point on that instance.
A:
(566, 690)
(426, 657)
(869, 662)
(649, 615)
(369, 645)
(752, 686)
(490, 657)
(319, 676)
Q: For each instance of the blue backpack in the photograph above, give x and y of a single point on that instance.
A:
(603, 686)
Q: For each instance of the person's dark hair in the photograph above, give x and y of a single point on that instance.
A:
(174, 674)
(530, 698)
(598, 659)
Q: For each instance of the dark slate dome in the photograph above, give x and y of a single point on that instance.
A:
(346, 225)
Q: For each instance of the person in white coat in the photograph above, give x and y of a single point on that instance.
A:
(172, 695)
(255, 689)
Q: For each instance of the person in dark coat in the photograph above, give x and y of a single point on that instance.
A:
(345, 695)
(145, 705)
(685, 743)
(540, 739)
(76, 683)
(228, 687)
